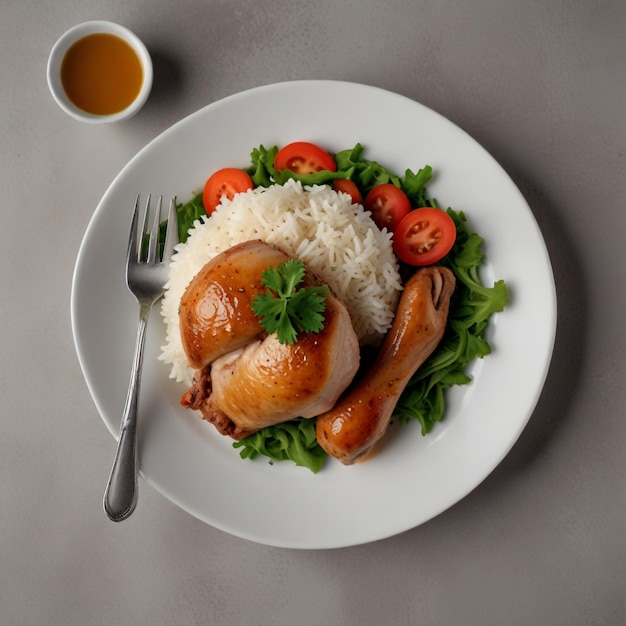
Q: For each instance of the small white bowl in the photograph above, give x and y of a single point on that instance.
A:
(76, 33)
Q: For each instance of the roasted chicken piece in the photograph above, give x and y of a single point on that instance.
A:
(247, 379)
(215, 311)
(352, 427)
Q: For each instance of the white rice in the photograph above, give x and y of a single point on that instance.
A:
(337, 240)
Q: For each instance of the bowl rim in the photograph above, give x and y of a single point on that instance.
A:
(70, 37)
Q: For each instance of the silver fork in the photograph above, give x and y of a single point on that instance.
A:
(146, 278)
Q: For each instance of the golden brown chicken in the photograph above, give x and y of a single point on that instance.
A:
(350, 429)
(246, 379)
(216, 309)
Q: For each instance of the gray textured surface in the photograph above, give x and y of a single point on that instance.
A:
(542, 541)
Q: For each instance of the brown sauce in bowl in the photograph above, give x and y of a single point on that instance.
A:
(101, 74)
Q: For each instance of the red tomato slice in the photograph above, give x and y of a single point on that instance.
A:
(345, 185)
(424, 236)
(225, 182)
(388, 205)
(302, 157)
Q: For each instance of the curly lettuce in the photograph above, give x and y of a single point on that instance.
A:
(294, 441)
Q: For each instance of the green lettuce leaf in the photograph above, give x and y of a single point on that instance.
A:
(294, 440)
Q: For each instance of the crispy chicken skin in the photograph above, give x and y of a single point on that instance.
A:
(246, 379)
(215, 311)
(352, 427)
(268, 382)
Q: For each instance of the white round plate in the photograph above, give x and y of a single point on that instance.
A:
(412, 478)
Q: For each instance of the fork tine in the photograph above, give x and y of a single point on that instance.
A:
(171, 235)
(134, 238)
(153, 244)
(144, 227)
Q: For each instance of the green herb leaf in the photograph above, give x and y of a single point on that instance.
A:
(414, 185)
(366, 174)
(294, 440)
(283, 309)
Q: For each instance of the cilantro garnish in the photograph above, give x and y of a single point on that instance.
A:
(285, 310)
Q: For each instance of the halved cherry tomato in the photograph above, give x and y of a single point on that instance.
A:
(424, 236)
(303, 157)
(388, 205)
(225, 182)
(345, 185)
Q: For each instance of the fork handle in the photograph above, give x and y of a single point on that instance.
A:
(120, 496)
